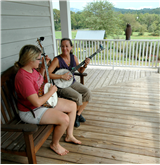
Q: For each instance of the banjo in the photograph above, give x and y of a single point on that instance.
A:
(61, 83)
(54, 98)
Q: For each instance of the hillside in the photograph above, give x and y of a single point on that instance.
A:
(143, 11)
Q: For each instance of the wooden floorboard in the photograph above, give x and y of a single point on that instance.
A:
(122, 122)
(98, 78)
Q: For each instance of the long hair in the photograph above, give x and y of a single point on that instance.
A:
(27, 53)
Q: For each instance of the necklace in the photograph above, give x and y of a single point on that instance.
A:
(67, 61)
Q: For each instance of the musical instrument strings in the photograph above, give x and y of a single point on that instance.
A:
(46, 67)
(83, 62)
(61, 83)
(54, 98)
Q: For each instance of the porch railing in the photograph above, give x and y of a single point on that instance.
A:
(118, 53)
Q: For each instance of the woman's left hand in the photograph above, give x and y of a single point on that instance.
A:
(46, 58)
(87, 61)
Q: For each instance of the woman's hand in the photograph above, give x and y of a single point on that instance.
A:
(47, 60)
(87, 61)
(66, 76)
(53, 88)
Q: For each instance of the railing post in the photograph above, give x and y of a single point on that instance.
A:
(159, 68)
(136, 50)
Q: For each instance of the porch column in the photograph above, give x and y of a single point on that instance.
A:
(65, 18)
(53, 30)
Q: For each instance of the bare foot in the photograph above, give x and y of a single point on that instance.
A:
(72, 139)
(58, 149)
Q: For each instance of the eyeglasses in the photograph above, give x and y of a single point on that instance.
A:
(39, 59)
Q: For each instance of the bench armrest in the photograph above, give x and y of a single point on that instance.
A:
(28, 128)
(80, 74)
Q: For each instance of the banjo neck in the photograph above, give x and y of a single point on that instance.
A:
(46, 67)
(83, 62)
(43, 54)
(52, 101)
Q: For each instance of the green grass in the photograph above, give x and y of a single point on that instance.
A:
(58, 34)
(133, 36)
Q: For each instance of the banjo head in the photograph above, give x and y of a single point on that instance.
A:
(54, 98)
(61, 83)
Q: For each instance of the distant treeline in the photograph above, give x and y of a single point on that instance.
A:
(145, 20)
(143, 11)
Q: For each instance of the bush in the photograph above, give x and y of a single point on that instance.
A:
(141, 33)
(156, 33)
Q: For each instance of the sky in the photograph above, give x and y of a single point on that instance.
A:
(123, 4)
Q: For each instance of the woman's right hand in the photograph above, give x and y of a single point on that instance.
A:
(53, 88)
(66, 76)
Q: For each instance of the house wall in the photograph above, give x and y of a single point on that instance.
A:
(22, 22)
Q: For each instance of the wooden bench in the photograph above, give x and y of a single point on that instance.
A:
(17, 137)
(82, 75)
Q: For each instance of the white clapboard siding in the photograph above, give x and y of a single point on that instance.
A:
(24, 9)
(22, 22)
(24, 34)
(33, 2)
(9, 61)
(13, 47)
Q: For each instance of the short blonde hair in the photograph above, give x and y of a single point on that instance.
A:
(27, 53)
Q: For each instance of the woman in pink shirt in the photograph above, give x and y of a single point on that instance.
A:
(27, 83)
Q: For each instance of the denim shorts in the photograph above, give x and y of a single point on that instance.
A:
(28, 117)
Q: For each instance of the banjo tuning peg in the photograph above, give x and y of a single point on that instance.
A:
(41, 38)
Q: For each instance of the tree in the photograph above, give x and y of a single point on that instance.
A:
(77, 20)
(101, 16)
(155, 28)
(57, 21)
(142, 29)
(132, 20)
(148, 19)
(152, 27)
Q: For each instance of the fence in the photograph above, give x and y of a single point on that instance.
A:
(118, 53)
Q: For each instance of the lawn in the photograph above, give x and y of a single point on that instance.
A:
(133, 36)
(59, 34)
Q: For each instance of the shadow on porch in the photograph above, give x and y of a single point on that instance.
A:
(122, 122)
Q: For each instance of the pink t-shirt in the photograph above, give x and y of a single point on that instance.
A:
(27, 84)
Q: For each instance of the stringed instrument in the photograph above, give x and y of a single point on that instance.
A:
(52, 101)
(61, 83)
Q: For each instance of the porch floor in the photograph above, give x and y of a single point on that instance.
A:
(99, 76)
(122, 122)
